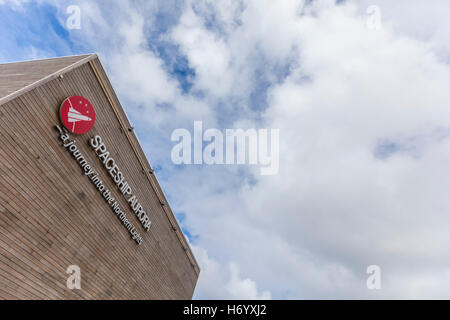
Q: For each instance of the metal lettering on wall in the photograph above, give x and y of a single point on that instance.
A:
(98, 183)
(78, 116)
(110, 164)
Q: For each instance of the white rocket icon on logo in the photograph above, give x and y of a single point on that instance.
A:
(75, 116)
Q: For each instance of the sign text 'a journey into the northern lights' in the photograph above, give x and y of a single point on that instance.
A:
(98, 183)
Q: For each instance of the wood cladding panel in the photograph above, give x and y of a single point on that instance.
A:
(14, 76)
(52, 216)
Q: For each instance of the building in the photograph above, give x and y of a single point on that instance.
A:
(64, 205)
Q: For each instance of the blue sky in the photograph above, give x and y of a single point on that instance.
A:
(34, 26)
(360, 110)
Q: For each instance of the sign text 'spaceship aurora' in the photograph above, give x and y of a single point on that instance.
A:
(119, 179)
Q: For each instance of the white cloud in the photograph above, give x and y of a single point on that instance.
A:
(336, 208)
(206, 52)
(224, 282)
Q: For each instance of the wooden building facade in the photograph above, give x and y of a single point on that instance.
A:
(51, 214)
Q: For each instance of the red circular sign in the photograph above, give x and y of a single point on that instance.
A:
(77, 114)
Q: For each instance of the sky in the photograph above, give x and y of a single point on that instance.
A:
(364, 116)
